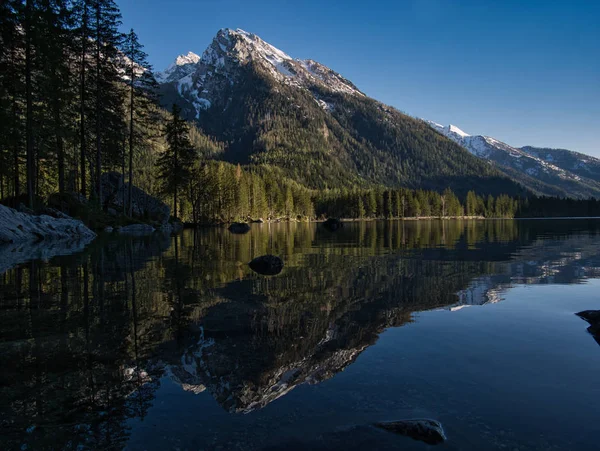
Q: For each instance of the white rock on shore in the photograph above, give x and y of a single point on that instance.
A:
(16, 227)
(26, 237)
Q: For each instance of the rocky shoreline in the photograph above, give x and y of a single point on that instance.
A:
(25, 237)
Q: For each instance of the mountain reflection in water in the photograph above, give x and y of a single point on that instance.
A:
(86, 339)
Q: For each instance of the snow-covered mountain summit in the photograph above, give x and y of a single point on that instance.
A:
(202, 79)
(182, 66)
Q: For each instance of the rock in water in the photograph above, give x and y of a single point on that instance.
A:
(145, 206)
(425, 430)
(267, 265)
(239, 227)
(136, 229)
(333, 224)
(592, 317)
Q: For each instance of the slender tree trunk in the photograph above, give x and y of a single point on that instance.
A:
(82, 100)
(14, 132)
(176, 187)
(131, 99)
(16, 181)
(60, 151)
(123, 158)
(29, 104)
(98, 109)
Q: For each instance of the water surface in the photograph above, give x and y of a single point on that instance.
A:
(174, 343)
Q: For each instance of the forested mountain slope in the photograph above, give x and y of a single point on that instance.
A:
(316, 126)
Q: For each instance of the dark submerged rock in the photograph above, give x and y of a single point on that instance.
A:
(592, 317)
(136, 229)
(425, 430)
(239, 227)
(171, 227)
(333, 224)
(267, 265)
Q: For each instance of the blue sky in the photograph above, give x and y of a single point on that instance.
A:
(525, 72)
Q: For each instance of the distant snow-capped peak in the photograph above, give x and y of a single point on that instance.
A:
(190, 58)
(449, 130)
(498, 152)
(182, 66)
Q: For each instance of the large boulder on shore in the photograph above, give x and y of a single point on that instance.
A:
(115, 191)
(17, 227)
(26, 237)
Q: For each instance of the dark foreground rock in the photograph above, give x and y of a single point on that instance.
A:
(267, 265)
(425, 430)
(333, 224)
(239, 227)
(146, 207)
(592, 317)
(24, 237)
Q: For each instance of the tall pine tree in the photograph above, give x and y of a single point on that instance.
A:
(176, 162)
(142, 97)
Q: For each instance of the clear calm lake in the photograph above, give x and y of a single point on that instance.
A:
(173, 342)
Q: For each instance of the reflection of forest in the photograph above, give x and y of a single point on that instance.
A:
(86, 338)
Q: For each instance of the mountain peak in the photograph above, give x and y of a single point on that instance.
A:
(182, 66)
(458, 131)
(189, 58)
(547, 173)
(202, 80)
(449, 130)
(243, 47)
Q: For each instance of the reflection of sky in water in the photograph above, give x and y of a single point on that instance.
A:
(157, 343)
